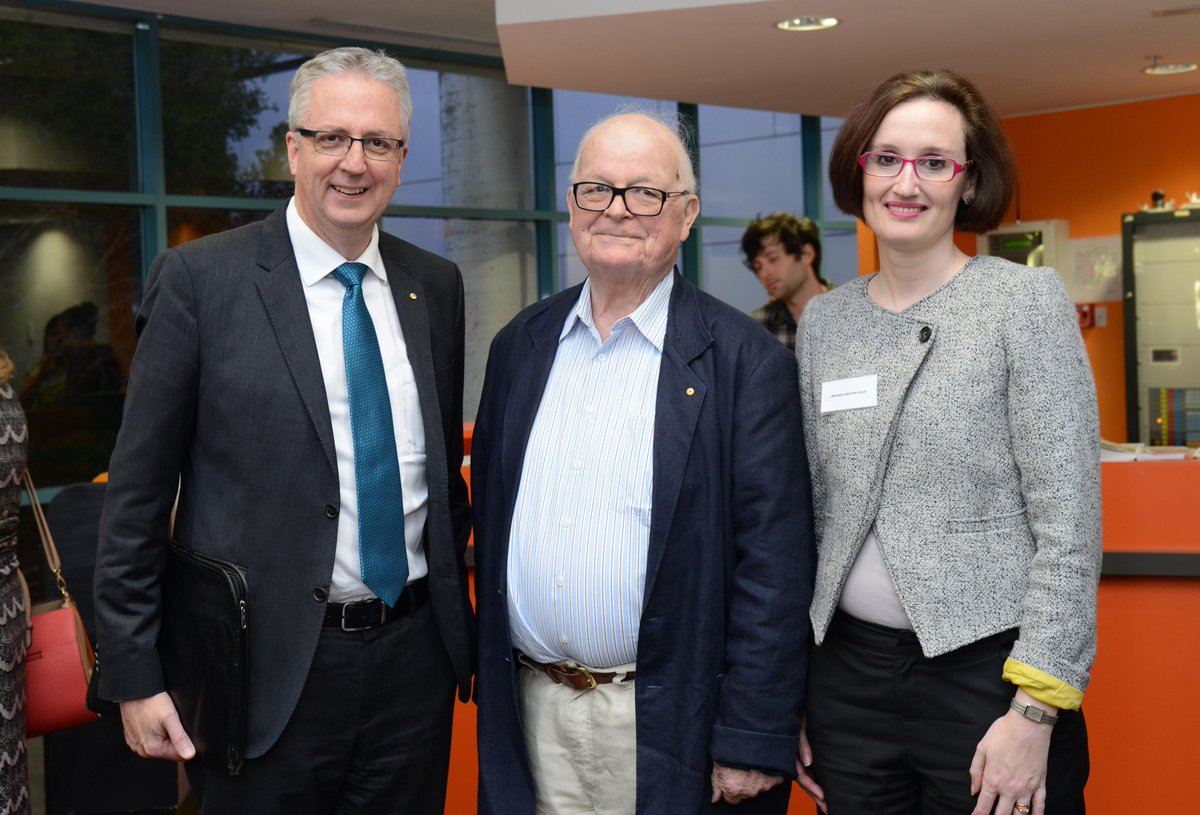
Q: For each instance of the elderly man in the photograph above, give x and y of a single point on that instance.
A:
(644, 552)
(301, 379)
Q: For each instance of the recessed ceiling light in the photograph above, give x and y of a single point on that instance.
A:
(807, 23)
(1155, 68)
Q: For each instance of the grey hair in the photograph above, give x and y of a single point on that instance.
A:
(673, 124)
(375, 65)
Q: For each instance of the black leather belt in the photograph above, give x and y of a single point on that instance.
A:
(367, 614)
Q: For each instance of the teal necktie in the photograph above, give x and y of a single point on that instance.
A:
(376, 469)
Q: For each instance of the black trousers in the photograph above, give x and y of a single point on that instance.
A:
(893, 732)
(370, 734)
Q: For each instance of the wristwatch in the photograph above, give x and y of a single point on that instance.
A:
(1033, 713)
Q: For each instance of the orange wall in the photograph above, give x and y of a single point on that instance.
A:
(1090, 167)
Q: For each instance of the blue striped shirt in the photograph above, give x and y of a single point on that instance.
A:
(581, 525)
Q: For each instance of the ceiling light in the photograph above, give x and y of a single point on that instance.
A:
(1167, 68)
(807, 23)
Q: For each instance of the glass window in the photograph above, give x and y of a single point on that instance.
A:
(499, 266)
(66, 103)
(188, 223)
(225, 117)
(69, 282)
(750, 162)
(469, 145)
(725, 274)
(570, 268)
(829, 131)
(839, 255)
(574, 113)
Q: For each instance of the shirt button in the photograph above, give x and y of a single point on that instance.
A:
(331, 511)
(601, 357)
(566, 521)
(562, 581)
(925, 334)
(578, 465)
(563, 639)
(589, 408)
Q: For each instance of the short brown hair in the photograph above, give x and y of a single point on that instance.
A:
(6, 367)
(794, 234)
(994, 170)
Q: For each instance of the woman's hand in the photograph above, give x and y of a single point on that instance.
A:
(1009, 768)
(804, 760)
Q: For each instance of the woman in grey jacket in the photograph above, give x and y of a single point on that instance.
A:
(950, 418)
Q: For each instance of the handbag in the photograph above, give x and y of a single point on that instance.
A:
(58, 655)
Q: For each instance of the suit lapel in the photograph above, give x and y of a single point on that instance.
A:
(528, 382)
(682, 390)
(409, 297)
(282, 294)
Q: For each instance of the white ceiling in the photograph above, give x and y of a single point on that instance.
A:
(1027, 56)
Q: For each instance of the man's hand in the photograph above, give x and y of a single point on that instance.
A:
(736, 786)
(153, 730)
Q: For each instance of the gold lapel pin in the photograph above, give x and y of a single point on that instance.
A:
(690, 391)
(412, 295)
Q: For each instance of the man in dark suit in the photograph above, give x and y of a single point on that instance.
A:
(300, 379)
(643, 531)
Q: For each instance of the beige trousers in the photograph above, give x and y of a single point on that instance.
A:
(582, 745)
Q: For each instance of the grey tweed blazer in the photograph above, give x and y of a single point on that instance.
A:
(979, 465)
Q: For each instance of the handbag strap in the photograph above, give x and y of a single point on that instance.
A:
(47, 539)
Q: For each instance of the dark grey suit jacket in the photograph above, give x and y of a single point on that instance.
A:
(226, 398)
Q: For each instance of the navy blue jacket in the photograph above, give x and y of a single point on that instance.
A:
(724, 630)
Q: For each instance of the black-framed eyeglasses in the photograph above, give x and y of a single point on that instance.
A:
(376, 148)
(929, 168)
(596, 197)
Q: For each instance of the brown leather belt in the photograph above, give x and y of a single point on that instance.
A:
(575, 676)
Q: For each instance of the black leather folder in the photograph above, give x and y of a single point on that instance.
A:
(203, 650)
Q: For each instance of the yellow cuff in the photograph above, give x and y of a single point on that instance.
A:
(1042, 686)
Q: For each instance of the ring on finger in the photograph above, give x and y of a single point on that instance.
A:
(1021, 808)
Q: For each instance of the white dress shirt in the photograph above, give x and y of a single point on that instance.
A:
(581, 524)
(324, 294)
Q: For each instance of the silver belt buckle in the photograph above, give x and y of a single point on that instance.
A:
(382, 615)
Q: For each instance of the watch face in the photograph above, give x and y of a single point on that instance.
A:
(1033, 713)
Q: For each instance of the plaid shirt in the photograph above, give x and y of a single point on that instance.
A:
(776, 318)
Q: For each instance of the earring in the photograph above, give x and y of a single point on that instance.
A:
(968, 200)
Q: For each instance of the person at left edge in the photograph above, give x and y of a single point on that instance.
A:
(238, 392)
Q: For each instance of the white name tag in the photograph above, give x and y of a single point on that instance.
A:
(848, 394)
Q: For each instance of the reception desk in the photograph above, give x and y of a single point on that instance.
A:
(1143, 706)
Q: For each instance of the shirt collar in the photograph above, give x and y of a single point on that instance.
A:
(317, 259)
(650, 318)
